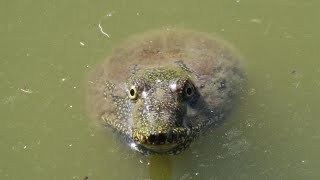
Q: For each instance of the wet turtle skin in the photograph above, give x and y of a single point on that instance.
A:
(161, 89)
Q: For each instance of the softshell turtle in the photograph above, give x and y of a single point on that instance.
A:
(159, 90)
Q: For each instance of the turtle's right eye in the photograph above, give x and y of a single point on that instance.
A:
(133, 93)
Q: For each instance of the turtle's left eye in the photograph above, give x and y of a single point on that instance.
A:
(189, 90)
(133, 93)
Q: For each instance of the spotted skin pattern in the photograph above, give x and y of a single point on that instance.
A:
(162, 89)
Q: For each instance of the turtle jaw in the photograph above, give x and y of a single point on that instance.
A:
(161, 142)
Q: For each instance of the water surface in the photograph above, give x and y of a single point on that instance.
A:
(48, 48)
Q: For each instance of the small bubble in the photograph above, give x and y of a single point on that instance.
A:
(258, 21)
(110, 13)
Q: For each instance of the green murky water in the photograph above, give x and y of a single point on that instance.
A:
(47, 49)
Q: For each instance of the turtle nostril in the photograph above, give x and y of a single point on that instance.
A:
(152, 138)
(162, 138)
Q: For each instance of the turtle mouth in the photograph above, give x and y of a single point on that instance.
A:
(161, 142)
(160, 148)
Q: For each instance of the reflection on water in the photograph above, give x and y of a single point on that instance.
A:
(160, 167)
(49, 47)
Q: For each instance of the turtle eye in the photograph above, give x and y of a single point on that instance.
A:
(189, 90)
(133, 93)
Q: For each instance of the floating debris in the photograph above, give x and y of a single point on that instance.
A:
(26, 90)
(252, 91)
(103, 31)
